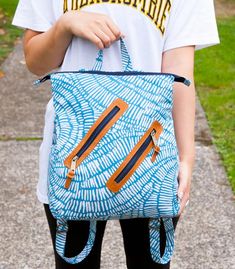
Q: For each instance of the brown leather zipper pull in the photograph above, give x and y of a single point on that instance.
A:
(156, 148)
(96, 132)
(155, 153)
(71, 172)
(137, 155)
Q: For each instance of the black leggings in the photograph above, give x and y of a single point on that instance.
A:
(135, 236)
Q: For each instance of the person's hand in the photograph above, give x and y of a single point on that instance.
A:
(97, 28)
(184, 177)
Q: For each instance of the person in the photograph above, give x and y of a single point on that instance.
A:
(161, 36)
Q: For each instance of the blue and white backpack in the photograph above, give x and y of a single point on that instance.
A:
(114, 153)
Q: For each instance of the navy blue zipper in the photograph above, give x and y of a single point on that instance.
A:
(117, 73)
(98, 130)
(149, 141)
(93, 136)
(134, 159)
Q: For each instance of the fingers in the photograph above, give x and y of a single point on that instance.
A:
(184, 186)
(114, 29)
(95, 27)
(95, 40)
(105, 36)
(184, 178)
(107, 32)
(184, 201)
(100, 39)
(104, 39)
(183, 196)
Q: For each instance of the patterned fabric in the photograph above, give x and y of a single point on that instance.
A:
(62, 229)
(80, 98)
(154, 235)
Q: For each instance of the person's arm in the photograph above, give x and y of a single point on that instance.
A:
(45, 51)
(181, 62)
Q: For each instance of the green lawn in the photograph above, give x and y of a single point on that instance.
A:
(8, 33)
(9, 6)
(215, 77)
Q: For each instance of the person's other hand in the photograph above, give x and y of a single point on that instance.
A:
(184, 178)
(97, 28)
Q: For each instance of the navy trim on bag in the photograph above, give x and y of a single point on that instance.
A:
(117, 73)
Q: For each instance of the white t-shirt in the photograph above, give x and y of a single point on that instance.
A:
(150, 26)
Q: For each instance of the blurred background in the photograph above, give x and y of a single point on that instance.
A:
(206, 231)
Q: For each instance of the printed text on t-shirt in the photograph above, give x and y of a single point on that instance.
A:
(156, 10)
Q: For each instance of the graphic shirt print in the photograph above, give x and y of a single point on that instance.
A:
(156, 10)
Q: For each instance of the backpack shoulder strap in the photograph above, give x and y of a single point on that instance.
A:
(154, 235)
(61, 233)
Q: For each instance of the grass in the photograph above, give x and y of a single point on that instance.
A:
(9, 6)
(215, 76)
(8, 33)
(10, 138)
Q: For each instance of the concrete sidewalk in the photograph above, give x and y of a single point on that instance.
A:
(205, 236)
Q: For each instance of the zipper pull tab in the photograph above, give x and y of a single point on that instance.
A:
(41, 80)
(155, 141)
(183, 80)
(71, 172)
(187, 82)
(156, 148)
